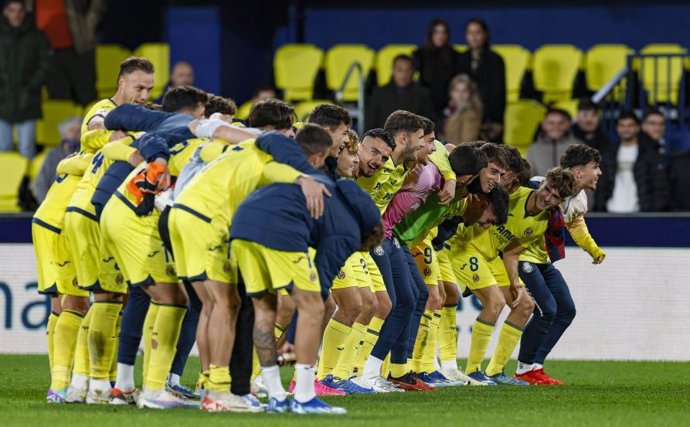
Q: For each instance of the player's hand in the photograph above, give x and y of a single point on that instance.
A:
(518, 292)
(286, 354)
(135, 159)
(598, 260)
(313, 192)
(447, 194)
(118, 134)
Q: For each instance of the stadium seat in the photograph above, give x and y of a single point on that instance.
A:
(602, 62)
(521, 121)
(385, 57)
(304, 109)
(13, 167)
(661, 77)
(159, 55)
(460, 47)
(244, 110)
(555, 67)
(295, 67)
(517, 60)
(54, 112)
(108, 59)
(36, 164)
(338, 60)
(569, 105)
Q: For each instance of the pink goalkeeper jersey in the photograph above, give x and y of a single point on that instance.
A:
(420, 182)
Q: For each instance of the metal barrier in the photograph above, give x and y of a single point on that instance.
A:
(358, 111)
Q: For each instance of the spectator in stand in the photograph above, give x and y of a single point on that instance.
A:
(464, 111)
(587, 126)
(24, 63)
(401, 93)
(437, 63)
(679, 182)
(182, 74)
(70, 134)
(637, 180)
(71, 29)
(654, 126)
(555, 137)
(486, 68)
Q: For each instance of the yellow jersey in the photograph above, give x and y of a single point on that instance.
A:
(220, 186)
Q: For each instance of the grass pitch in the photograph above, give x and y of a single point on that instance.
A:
(596, 394)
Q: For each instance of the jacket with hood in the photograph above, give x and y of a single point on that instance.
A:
(24, 62)
(545, 153)
(276, 216)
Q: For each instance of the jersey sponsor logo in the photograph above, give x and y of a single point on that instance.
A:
(528, 231)
(504, 232)
(153, 254)
(463, 266)
(62, 264)
(527, 267)
(379, 250)
(108, 259)
(298, 259)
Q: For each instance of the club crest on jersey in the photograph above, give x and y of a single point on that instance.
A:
(475, 277)
(427, 271)
(528, 231)
(378, 250)
(227, 268)
(527, 268)
(312, 277)
(170, 271)
(341, 275)
(119, 279)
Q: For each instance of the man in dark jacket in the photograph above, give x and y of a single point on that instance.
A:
(636, 180)
(271, 233)
(402, 93)
(24, 62)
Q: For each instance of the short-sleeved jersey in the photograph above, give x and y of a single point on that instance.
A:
(383, 184)
(99, 109)
(521, 226)
(219, 188)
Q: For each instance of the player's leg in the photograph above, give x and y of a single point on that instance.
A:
(512, 328)
(185, 343)
(565, 313)
(286, 310)
(539, 326)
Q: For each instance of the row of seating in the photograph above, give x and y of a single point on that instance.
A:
(109, 57)
(554, 67)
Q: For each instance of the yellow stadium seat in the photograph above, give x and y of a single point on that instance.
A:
(569, 105)
(554, 68)
(666, 72)
(159, 55)
(36, 164)
(108, 59)
(295, 67)
(339, 58)
(13, 167)
(521, 120)
(244, 110)
(303, 109)
(517, 60)
(385, 57)
(603, 62)
(460, 47)
(54, 112)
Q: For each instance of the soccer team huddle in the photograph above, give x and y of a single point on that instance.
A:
(280, 240)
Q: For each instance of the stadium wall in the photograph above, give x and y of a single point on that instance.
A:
(632, 307)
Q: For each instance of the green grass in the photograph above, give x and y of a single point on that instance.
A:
(597, 394)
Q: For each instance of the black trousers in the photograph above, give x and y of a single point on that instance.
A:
(242, 352)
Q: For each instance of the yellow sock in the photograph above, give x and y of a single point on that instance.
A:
(367, 344)
(102, 338)
(256, 366)
(421, 340)
(332, 347)
(481, 335)
(397, 370)
(507, 341)
(166, 331)
(219, 378)
(64, 343)
(81, 354)
(429, 355)
(448, 334)
(50, 334)
(146, 336)
(278, 331)
(202, 382)
(113, 355)
(346, 364)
